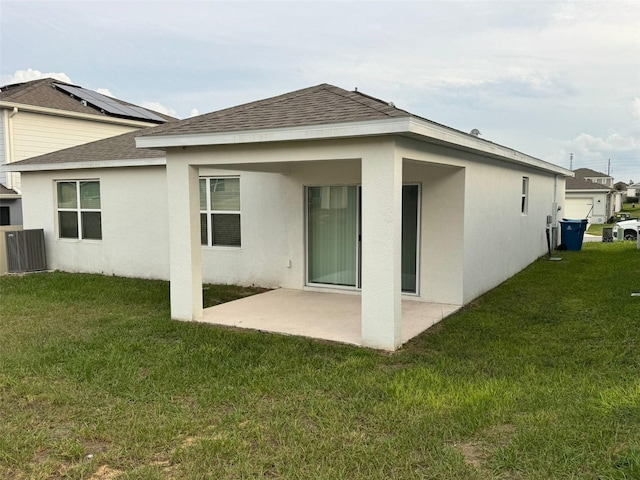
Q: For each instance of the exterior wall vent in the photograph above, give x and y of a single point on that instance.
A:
(25, 251)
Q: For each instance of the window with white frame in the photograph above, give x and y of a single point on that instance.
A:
(524, 202)
(79, 212)
(220, 211)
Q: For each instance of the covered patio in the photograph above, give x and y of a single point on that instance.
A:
(326, 316)
(336, 189)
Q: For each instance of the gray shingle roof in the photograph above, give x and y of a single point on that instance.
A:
(322, 104)
(121, 147)
(6, 191)
(581, 184)
(42, 93)
(587, 172)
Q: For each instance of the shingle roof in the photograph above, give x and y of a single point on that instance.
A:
(581, 184)
(587, 172)
(42, 93)
(322, 104)
(315, 105)
(7, 191)
(121, 147)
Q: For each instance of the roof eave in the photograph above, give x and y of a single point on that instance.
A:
(304, 132)
(463, 141)
(422, 129)
(94, 117)
(587, 190)
(40, 167)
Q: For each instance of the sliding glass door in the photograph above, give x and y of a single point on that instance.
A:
(410, 216)
(333, 236)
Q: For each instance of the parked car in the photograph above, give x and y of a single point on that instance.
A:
(627, 230)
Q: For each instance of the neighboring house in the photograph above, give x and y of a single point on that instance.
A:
(585, 199)
(10, 206)
(633, 190)
(320, 189)
(622, 188)
(594, 176)
(46, 115)
(592, 195)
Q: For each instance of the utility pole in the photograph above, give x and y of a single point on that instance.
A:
(571, 161)
(609, 168)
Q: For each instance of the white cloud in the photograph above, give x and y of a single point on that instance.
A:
(194, 112)
(592, 151)
(635, 108)
(614, 142)
(158, 107)
(105, 91)
(21, 76)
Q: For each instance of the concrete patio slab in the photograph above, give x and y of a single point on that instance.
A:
(327, 316)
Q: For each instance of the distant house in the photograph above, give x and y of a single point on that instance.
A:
(591, 195)
(594, 176)
(633, 190)
(320, 190)
(10, 206)
(585, 199)
(46, 115)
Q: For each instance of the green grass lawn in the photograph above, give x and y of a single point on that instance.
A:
(538, 379)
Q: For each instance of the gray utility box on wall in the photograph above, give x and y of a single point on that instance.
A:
(25, 251)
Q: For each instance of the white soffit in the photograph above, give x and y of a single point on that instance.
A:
(304, 132)
(415, 127)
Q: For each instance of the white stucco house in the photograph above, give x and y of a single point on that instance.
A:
(590, 194)
(321, 190)
(585, 199)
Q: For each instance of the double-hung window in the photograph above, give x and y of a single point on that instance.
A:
(79, 213)
(220, 211)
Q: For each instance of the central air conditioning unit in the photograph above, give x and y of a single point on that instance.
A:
(25, 251)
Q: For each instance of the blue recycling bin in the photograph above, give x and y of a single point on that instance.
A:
(572, 233)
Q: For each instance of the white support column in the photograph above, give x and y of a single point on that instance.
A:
(185, 265)
(381, 322)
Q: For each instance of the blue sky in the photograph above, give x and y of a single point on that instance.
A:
(544, 77)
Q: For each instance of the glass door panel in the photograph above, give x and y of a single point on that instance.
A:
(332, 235)
(333, 230)
(410, 196)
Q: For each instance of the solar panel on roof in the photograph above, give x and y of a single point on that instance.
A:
(110, 105)
(148, 114)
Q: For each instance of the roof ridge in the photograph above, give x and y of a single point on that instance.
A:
(382, 102)
(303, 91)
(320, 104)
(271, 100)
(255, 103)
(591, 170)
(26, 87)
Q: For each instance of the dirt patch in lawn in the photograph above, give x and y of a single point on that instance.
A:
(479, 449)
(472, 454)
(105, 473)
